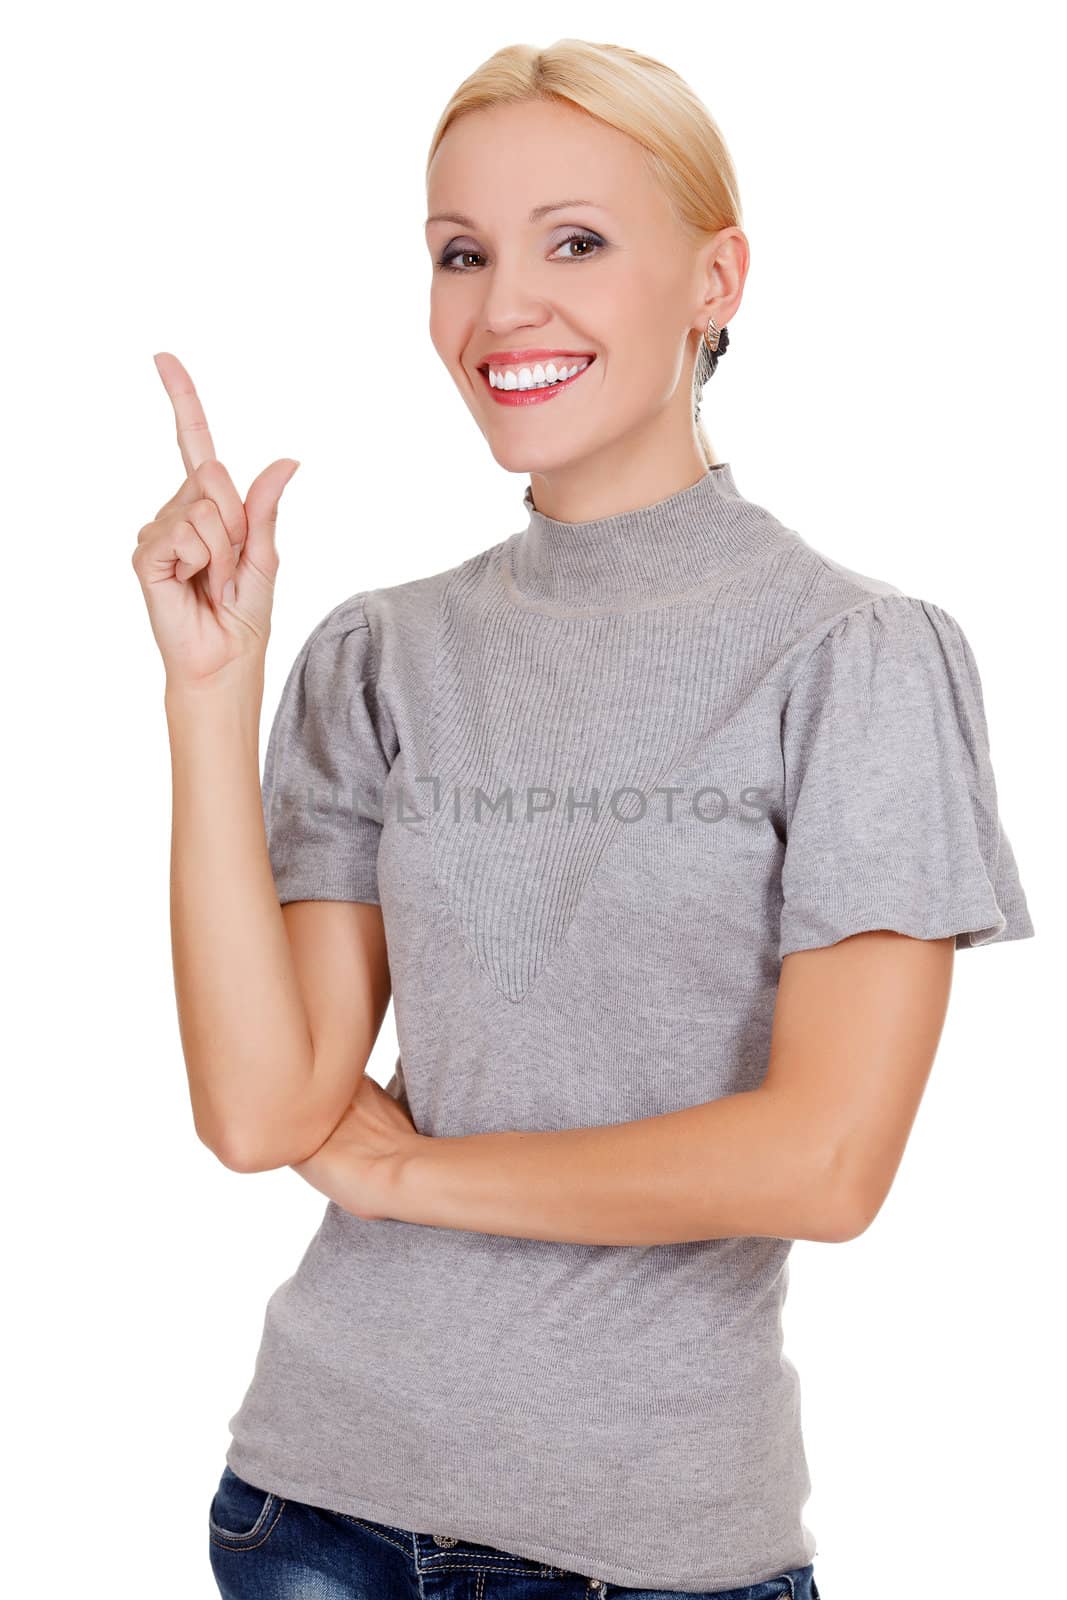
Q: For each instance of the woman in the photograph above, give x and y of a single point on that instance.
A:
(653, 819)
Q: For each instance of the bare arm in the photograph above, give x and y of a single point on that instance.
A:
(279, 1007)
(809, 1154)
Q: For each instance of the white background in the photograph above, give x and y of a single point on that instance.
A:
(243, 185)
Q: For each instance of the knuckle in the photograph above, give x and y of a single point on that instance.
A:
(186, 535)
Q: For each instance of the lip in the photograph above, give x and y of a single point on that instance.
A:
(532, 397)
(505, 358)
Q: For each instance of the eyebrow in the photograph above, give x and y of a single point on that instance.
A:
(535, 215)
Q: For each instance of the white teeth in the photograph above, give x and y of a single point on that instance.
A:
(536, 377)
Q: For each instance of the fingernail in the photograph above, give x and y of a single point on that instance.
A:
(229, 593)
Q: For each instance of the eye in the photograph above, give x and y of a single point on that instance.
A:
(448, 261)
(580, 238)
(450, 257)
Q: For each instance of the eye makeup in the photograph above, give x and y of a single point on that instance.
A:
(584, 236)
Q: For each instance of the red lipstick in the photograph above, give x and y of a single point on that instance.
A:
(507, 358)
(532, 397)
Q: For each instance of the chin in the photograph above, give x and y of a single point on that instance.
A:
(517, 456)
(513, 458)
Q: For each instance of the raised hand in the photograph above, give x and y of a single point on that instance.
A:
(207, 561)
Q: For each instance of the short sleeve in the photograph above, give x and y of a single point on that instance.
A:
(326, 763)
(891, 814)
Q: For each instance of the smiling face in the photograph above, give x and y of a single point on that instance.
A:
(608, 282)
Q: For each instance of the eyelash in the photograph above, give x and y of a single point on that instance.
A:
(445, 261)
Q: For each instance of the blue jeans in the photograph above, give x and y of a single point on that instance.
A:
(267, 1548)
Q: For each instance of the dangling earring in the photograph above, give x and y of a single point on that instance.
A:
(711, 336)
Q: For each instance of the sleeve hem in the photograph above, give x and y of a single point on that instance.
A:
(358, 887)
(971, 930)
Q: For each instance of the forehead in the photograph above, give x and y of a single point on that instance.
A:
(499, 164)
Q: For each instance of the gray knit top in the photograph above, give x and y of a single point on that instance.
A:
(602, 777)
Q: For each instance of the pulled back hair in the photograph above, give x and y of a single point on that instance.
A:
(641, 97)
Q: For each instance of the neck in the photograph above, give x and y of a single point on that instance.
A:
(639, 468)
(670, 549)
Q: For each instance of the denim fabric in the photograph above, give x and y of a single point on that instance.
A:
(264, 1547)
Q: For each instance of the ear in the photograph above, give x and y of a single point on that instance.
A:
(722, 267)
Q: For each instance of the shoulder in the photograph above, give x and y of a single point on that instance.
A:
(835, 617)
(390, 632)
(418, 599)
(836, 603)
(893, 668)
(890, 627)
(827, 593)
(808, 596)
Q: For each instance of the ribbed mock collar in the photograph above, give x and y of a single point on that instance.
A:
(653, 554)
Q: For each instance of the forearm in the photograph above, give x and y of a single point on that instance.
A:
(243, 1024)
(742, 1165)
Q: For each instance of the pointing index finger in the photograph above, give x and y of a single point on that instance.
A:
(194, 439)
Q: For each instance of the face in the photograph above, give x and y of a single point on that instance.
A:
(608, 282)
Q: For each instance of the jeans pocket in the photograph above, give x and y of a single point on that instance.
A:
(242, 1517)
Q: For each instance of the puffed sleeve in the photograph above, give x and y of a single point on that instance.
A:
(891, 814)
(326, 761)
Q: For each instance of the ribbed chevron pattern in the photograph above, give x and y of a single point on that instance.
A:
(574, 669)
(573, 672)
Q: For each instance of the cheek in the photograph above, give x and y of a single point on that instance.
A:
(448, 320)
(638, 313)
(438, 333)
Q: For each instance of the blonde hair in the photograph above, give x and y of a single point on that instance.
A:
(640, 96)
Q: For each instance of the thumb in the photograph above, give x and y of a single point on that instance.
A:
(261, 511)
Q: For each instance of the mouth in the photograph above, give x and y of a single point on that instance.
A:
(534, 381)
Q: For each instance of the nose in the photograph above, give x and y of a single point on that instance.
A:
(512, 298)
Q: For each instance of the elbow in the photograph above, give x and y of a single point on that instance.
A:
(246, 1150)
(239, 1158)
(844, 1205)
(249, 1157)
(830, 1208)
(846, 1216)
(236, 1152)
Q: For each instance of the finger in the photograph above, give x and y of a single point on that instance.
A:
(212, 481)
(261, 510)
(205, 518)
(173, 550)
(194, 439)
(216, 484)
